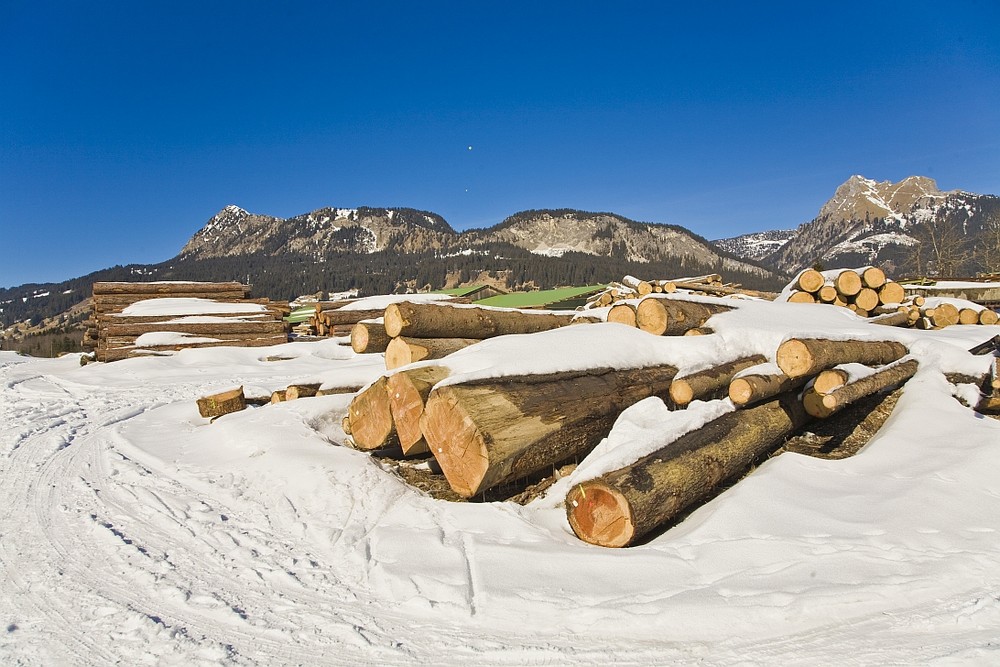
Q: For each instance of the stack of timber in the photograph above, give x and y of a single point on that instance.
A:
(668, 314)
(621, 507)
(869, 293)
(337, 318)
(631, 288)
(126, 322)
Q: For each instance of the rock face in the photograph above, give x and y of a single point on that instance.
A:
(234, 231)
(869, 222)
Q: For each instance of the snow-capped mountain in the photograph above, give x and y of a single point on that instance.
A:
(756, 246)
(871, 222)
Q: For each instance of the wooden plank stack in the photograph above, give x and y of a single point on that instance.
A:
(112, 334)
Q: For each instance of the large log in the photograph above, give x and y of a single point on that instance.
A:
(168, 287)
(430, 320)
(810, 280)
(222, 403)
(672, 316)
(824, 405)
(488, 432)
(402, 350)
(708, 382)
(988, 317)
(370, 419)
(891, 293)
(408, 391)
(623, 313)
(797, 357)
(873, 277)
(620, 507)
(369, 337)
(848, 282)
(297, 391)
(756, 387)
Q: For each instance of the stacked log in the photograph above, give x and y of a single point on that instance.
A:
(631, 288)
(869, 293)
(224, 316)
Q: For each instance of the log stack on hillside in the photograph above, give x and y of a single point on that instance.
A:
(136, 319)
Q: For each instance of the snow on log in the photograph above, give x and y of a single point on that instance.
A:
(824, 405)
(370, 418)
(900, 318)
(798, 357)
(707, 382)
(404, 350)
(484, 433)
(431, 320)
(673, 316)
(222, 403)
(369, 337)
(622, 506)
(408, 391)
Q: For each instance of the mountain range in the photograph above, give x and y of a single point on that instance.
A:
(905, 227)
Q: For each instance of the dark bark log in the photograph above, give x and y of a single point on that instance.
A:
(709, 382)
(672, 316)
(430, 320)
(890, 377)
(486, 433)
(222, 403)
(619, 508)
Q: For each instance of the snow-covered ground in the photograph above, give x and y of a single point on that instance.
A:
(132, 531)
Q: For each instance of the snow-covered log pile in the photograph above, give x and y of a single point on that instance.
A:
(869, 293)
(337, 318)
(135, 319)
(492, 415)
(631, 288)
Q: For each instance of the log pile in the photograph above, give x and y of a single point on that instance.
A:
(631, 288)
(221, 314)
(869, 293)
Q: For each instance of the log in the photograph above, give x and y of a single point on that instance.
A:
(986, 347)
(824, 405)
(891, 293)
(430, 320)
(297, 391)
(723, 290)
(810, 280)
(873, 278)
(408, 391)
(222, 403)
(641, 287)
(371, 424)
(988, 317)
(700, 331)
(756, 387)
(619, 508)
(968, 316)
(334, 318)
(944, 315)
(489, 432)
(848, 282)
(167, 287)
(827, 294)
(830, 379)
(866, 299)
(278, 396)
(710, 381)
(402, 350)
(623, 313)
(369, 337)
(200, 328)
(797, 357)
(673, 316)
(801, 297)
(896, 319)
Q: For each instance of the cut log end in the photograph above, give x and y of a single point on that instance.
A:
(456, 443)
(371, 424)
(600, 515)
(794, 358)
(222, 403)
(740, 391)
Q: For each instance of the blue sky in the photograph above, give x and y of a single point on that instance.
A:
(125, 126)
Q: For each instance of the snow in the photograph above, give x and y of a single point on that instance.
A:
(383, 301)
(188, 306)
(133, 531)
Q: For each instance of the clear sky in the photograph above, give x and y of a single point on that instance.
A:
(125, 126)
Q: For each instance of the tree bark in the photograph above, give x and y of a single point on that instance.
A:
(222, 403)
(895, 319)
(334, 318)
(797, 357)
(369, 337)
(402, 351)
(371, 424)
(430, 320)
(259, 327)
(408, 391)
(671, 316)
(824, 405)
(489, 432)
(620, 507)
(708, 382)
